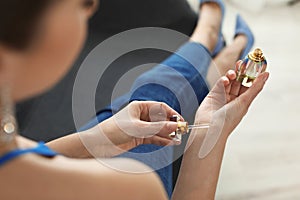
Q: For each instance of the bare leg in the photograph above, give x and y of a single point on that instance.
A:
(208, 27)
(226, 59)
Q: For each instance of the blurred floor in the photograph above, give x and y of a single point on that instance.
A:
(262, 160)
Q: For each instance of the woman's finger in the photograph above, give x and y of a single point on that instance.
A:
(162, 128)
(235, 89)
(160, 141)
(231, 75)
(170, 111)
(248, 96)
(220, 86)
(237, 65)
(157, 111)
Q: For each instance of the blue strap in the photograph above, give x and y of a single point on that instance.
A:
(41, 149)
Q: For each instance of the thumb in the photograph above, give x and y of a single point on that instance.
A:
(162, 128)
(248, 96)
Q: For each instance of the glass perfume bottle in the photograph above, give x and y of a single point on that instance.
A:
(182, 128)
(254, 64)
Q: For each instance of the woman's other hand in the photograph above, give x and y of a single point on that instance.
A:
(225, 106)
(141, 122)
(229, 99)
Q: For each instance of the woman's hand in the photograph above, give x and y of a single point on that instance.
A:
(141, 123)
(225, 106)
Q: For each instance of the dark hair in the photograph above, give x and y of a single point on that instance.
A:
(18, 21)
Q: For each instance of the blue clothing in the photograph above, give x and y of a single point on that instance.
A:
(179, 81)
(40, 149)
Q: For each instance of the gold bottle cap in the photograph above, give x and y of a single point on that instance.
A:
(257, 55)
(182, 127)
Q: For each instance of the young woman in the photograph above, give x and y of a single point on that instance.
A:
(39, 41)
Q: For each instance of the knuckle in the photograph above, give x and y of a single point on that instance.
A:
(164, 104)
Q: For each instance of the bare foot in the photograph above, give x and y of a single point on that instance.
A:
(226, 59)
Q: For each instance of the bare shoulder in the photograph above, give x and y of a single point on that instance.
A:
(64, 178)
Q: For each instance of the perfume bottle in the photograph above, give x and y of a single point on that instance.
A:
(254, 64)
(182, 128)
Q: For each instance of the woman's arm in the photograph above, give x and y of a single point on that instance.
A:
(90, 144)
(70, 146)
(32, 177)
(224, 107)
(198, 177)
(138, 123)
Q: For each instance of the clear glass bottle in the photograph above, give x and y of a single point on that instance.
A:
(254, 64)
(181, 128)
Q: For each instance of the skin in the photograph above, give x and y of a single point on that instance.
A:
(55, 48)
(127, 129)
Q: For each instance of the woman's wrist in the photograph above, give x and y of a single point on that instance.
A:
(113, 132)
(208, 141)
(216, 131)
